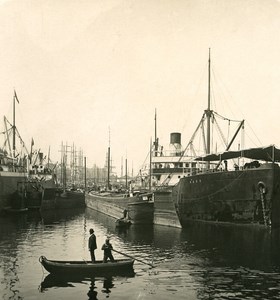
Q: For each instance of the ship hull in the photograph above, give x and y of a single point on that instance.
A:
(139, 210)
(54, 198)
(8, 186)
(249, 196)
(164, 209)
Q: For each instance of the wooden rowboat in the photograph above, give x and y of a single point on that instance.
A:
(119, 266)
(123, 223)
(15, 210)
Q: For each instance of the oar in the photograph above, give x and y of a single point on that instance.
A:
(143, 262)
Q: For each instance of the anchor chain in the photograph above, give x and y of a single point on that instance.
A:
(262, 191)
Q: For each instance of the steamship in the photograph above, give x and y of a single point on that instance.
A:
(13, 165)
(233, 186)
(166, 167)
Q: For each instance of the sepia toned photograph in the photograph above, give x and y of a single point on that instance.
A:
(139, 149)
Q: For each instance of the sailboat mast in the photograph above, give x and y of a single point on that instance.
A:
(108, 162)
(150, 168)
(208, 112)
(62, 165)
(85, 171)
(126, 173)
(108, 174)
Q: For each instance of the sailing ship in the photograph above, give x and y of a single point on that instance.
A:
(137, 205)
(234, 186)
(73, 187)
(58, 194)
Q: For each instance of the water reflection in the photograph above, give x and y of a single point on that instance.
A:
(256, 247)
(203, 261)
(60, 215)
(229, 262)
(92, 293)
(105, 286)
(14, 229)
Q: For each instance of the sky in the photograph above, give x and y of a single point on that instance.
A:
(93, 72)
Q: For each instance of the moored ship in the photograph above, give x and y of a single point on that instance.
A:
(134, 205)
(59, 194)
(238, 196)
(248, 192)
(138, 208)
(166, 167)
(13, 165)
(164, 171)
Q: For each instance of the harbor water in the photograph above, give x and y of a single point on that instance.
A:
(200, 262)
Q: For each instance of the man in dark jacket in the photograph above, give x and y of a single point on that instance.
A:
(107, 248)
(92, 244)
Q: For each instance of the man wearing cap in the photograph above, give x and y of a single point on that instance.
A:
(107, 248)
(92, 244)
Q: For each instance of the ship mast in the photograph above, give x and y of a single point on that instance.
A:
(108, 162)
(85, 177)
(208, 111)
(156, 139)
(150, 173)
(126, 172)
(14, 127)
(14, 123)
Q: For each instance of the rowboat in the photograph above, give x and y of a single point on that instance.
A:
(15, 210)
(123, 223)
(57, 267)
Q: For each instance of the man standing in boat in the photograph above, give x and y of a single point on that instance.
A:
(107, 248)
(92, 244)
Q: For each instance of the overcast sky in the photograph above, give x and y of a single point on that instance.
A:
(80, 67)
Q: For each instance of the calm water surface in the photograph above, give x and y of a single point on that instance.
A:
(200, 262)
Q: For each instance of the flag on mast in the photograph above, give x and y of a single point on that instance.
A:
(15, 95)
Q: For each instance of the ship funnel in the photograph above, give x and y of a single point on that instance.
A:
(175, 144)
(40, 154)
(175, 138)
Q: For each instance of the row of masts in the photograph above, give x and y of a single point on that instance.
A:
(76, 157)
(109, 169)
(72, 165)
